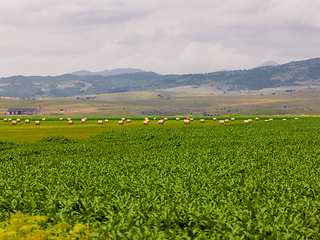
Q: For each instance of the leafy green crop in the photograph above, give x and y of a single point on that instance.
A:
(249, 181)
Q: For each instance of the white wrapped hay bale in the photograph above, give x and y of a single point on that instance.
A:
(202, 121)
(186, 121)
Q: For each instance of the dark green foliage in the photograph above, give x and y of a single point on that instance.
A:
(249, 181)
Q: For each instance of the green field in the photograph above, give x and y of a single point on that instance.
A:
(53, 127)
(235, 181)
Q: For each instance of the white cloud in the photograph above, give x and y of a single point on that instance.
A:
(182, 36)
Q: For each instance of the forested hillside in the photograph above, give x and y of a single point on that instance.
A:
(305, 73)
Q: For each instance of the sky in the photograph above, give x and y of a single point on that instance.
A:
(54, 37)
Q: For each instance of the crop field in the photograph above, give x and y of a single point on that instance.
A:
(235, 181)
(53, 127)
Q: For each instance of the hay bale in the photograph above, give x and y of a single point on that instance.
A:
(186, 121)
(18, 120)
(270, 119)
(128, 120)
(257, 119)
(266, 120)
(284, 119)
(121, 122)
(123, 119)
(296, 118)
(60, 119)
(250, 120)
(69, 119)
(106, 120)
(214, 119)
(70, 122)
(232, 119)
(5, 120)
(14, 122)
(246, 121)
(27, 121)
(10, 120)
(226, 120)
(43, 119)
(191, 119)
(188, 118)
(202, 120)
(155, 118)
(100, 122)
(161, 122)
(83, 120)
(165, 119)
(145, 122)
(221, 122)
(37, 122)
(177, 119)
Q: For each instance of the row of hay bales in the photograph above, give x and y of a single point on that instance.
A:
(14, 122)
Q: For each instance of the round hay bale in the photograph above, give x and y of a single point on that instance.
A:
(221, 122)
(70, 122)
(226, 120)
(155, 118)
(186, 121)
(128, 120)
(214, 119)
(270, 119)
(232, 119)
(296, 118)
(191, 119)
(188, 118)
(43, 119)
(145, 122)
(257, 119)
(83, 120)
(266, 120)
(14, 122)
(161, 122)
(37, 122)
(18, 120)
(60, 119)
(27, 121)
(177, 119)
(246, 121)
(202, 120)
(123, 119)
(5, 120)
(250, 120)
(100, 122)
(10, 120)
(106, 121)
(121, 122)
(166, 119)
(69, 119)
(284, 119)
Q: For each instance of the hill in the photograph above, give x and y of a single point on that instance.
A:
(295, 74)
(116, 71)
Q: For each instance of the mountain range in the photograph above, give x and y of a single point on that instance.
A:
(112, 72)
(294, 74)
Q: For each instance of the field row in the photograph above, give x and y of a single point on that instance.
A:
(78, 129)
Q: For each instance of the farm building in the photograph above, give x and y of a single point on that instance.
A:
(22, 111)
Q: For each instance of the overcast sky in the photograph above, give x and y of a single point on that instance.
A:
(53, 37)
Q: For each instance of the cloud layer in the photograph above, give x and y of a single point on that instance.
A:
(54, 37)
